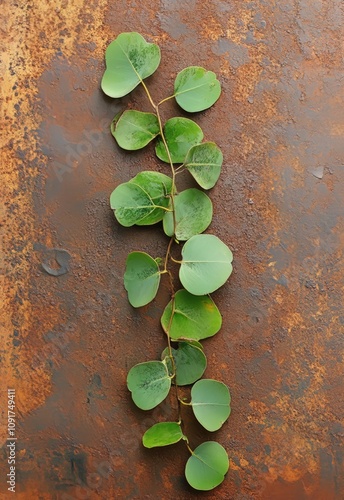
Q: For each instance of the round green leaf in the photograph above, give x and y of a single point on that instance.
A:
(149, 384)
(190, 363)
(158, 187)
(129, 60)
(180, 134)
(194, 317)
(210, 402)
(141, 278)
(204, 163)
(206, 264)
(143, 200)
(207, 466)
(135, 129)
(162, 434)
(196, 89)
(193, 211)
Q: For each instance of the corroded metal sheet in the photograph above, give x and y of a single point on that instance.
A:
(68, 335)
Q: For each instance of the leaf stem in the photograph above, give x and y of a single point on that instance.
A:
(185, 403)
(148, 95)
(166, 99)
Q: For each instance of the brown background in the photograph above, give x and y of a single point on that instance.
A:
(68, 341)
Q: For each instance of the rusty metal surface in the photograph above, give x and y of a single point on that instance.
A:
(68, 335)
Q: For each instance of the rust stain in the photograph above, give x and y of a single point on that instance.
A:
(68, 341)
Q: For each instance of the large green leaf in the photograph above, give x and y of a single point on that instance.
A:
(196, 89)
(141, 278)
(143, 200)
(204, 163)
(193, 211)
(162, 434)
(129, 60)
(180, 134)
(190, 362)
(135, 129)
(194, 317)
(210, 402)
(207, 466)
(206, 264)
(149, 384)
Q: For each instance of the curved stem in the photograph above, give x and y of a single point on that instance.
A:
(148, 95)
(188, 447)
(166, 99)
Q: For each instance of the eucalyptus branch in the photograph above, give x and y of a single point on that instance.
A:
(206, 263)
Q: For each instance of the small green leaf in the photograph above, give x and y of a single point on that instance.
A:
(193, 211)
(207, 466)
(135, 129)
(180, 134)
(206, 264)
(141, 278)
(210, 402)
(143, 200)
(196, 89)
(149, 384)
(194, 317)
(190, 363)
(204, 163)
(162, 434)
(129, 60)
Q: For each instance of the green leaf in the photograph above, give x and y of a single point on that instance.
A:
(207, 466)
(204, 163)
(162, 434)
(143, 200)
(129, 60)
(149, 384)
(210, 402)
(196, 89)
(180, 134)
(193, 213)
(141, 278)
(158, 187)
(134, 129)
(190, 363)
(206, 264)
(194, 317)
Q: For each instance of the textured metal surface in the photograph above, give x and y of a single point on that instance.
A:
(68, 336)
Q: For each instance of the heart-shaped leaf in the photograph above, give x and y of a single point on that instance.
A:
(196, 89)
(207, 466)
(204, 163)
(210, 402)
(143, 200)
(194, 317)
(180, 134)
(135, 129)
(162, 434)
(193, 211)
(149, 384)
(141, 278)
(190, 363)
(129, 60)
(206, 264)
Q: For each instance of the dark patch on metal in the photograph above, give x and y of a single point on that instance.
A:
(59, 256)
